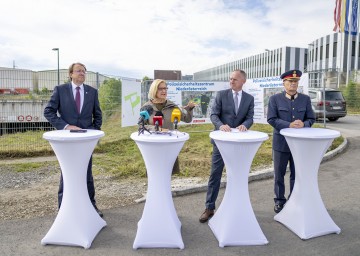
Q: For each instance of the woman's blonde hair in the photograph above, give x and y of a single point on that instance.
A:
(154, 88)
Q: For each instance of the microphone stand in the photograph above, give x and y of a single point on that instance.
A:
(175, 125)
(142, 127)
(156, 126)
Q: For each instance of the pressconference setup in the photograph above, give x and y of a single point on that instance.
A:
(233, 224)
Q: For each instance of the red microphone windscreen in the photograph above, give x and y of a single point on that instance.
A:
(159, 119)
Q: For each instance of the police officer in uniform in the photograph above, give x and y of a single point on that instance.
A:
(288, 109)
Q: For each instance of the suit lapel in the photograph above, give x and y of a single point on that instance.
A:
(242, 102)
(71, 96)
(86, 96)
(230, 98)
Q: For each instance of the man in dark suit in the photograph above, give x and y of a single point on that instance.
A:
(288, 109)
(75, 106)
(233, 108)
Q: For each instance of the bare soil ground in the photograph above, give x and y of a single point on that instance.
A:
(30, 194)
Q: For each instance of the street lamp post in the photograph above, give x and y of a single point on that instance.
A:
(58, 70)
(310, 61)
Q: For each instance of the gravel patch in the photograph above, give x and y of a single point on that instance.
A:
(25, 195)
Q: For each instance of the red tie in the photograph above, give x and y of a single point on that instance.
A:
(77, 99)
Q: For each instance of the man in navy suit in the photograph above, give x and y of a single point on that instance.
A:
(63, 112)
(233, 108)
(288, 109)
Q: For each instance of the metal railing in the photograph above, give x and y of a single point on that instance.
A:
(22, 104)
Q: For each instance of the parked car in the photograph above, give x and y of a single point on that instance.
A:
(335, 104)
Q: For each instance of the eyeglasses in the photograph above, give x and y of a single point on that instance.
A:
(163, 88)
(80, 71)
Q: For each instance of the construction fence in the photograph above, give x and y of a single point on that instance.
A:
(24, 95)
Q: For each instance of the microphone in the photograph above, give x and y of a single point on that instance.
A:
(147, 108)
(145, 113)
(175, 116)
(158, 120)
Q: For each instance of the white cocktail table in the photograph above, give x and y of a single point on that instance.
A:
(304, 213)
(77, 222)
(234, 223)
(159, 225)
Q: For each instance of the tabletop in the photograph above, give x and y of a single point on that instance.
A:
(237, 136)
(310, 133)
(66, 135)
(172, 136)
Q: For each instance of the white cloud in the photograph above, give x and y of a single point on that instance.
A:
(132, 38)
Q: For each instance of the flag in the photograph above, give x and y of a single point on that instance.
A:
(346, 16)
(344, 19)
(337, 15)
(354, 17)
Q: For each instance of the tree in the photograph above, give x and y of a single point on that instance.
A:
(45, 91)
(110, 96)
(352, 95)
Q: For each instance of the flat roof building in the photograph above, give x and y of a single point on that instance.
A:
(269, 63)
(331, 59)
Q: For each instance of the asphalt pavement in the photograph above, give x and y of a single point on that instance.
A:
(338, 180)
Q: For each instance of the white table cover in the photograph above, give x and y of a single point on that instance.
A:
(77, 222)
(305, 213)
(234, 223)
(159, 225)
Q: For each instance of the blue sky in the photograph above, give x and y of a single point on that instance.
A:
(132, 38)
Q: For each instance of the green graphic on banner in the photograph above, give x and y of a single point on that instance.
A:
(133, 103)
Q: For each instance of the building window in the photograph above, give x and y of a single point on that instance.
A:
(335, 49)
(313, 55)
(321, 52)
(327, 51)
(353, 49)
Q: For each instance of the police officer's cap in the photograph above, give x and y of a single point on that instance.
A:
(291, 74)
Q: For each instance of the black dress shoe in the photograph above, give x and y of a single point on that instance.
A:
(99, 212)
(206, 215)
(278, 208)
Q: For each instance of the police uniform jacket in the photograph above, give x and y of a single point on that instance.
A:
(282, 111)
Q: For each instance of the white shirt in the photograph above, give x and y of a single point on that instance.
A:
(239, 97)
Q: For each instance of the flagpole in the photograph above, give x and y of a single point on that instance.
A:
(348, 58)
(349, 48)
(356, 68)
(340, 70)
(338, 28)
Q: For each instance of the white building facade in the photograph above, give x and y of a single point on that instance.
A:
(336, 57)
(333, 60)
(270, 63)
(23, 80)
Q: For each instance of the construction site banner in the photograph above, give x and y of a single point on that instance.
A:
(130, 102)
(203, 93)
